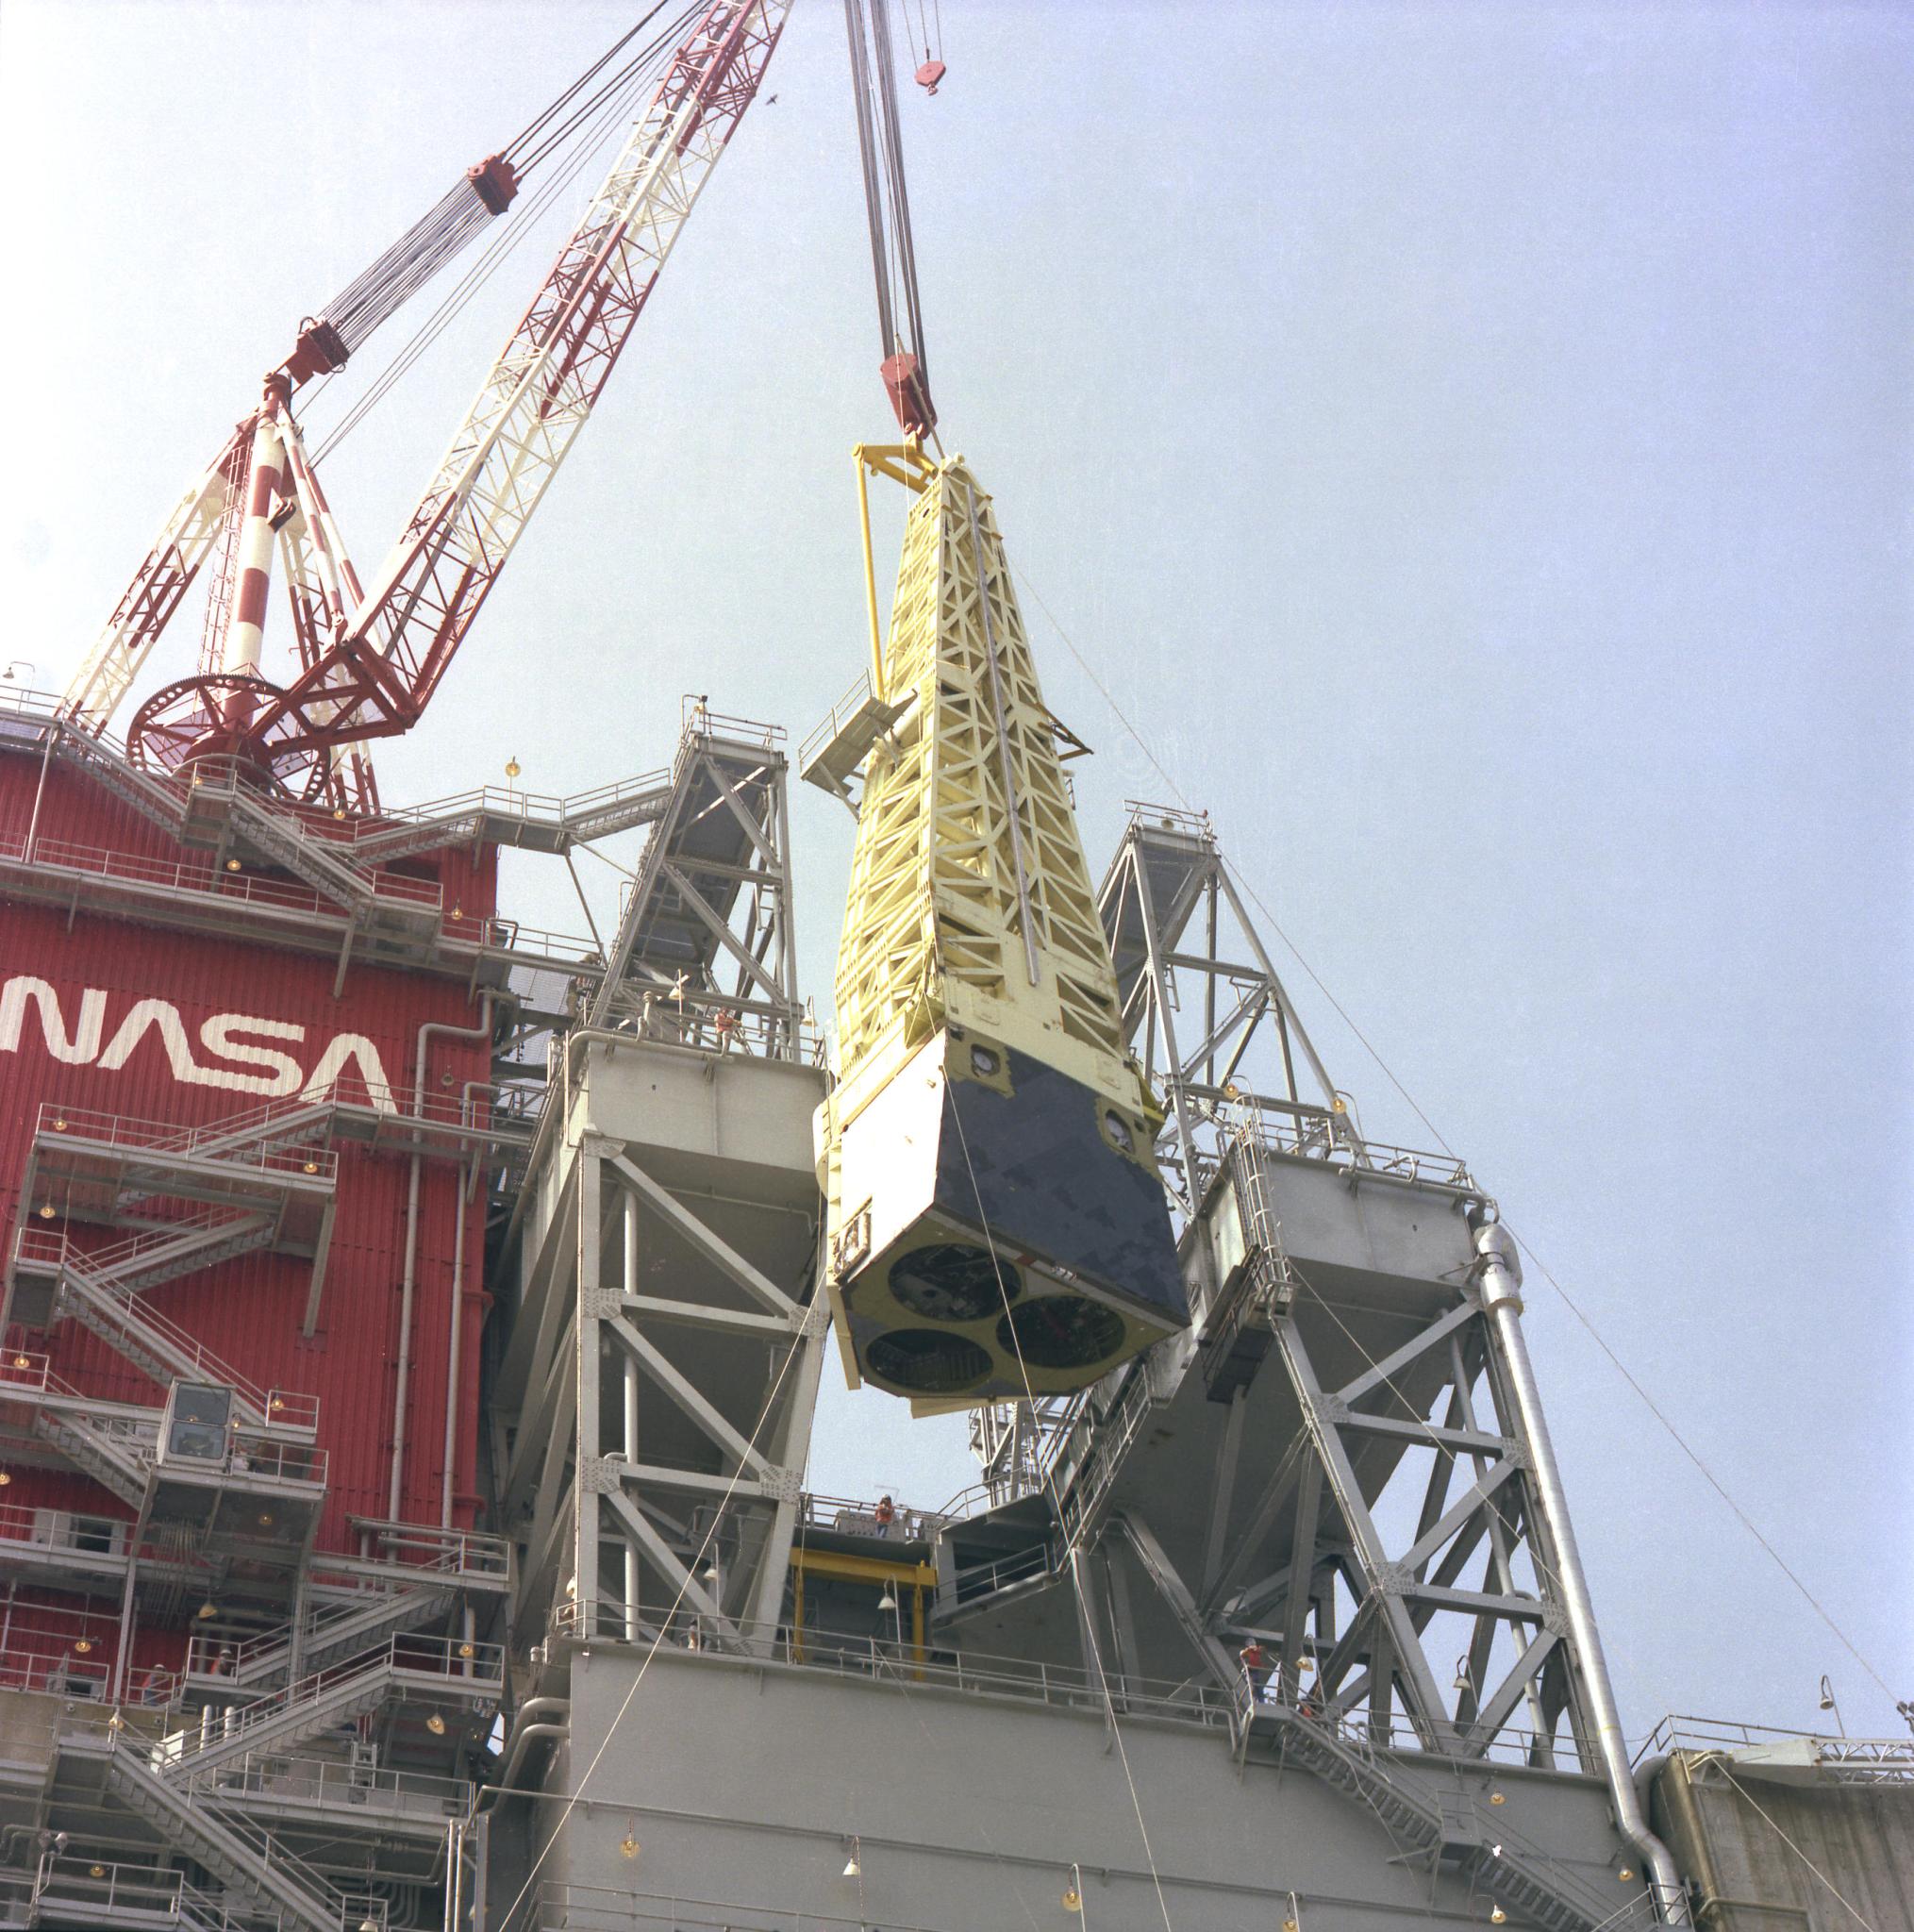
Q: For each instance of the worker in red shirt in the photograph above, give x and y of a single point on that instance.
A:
(1253, 1664)
(887, 1515)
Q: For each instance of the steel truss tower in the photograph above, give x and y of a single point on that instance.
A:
(1355, 1406)
(655, 1406)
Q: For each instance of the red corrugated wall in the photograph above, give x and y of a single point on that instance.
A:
(248, 1311)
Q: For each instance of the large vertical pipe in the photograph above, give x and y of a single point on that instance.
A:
(401, 1395)
(452, 1345)
(633, 1579)
(1500, 1282)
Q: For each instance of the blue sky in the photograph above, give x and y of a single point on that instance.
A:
(1471, 443)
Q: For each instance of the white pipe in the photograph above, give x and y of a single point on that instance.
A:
(524, 1734)
(481, 1031)
(1500, 1281)
(634, 1581)
(452, 1342)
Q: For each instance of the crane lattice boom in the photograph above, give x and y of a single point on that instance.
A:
(369, 664)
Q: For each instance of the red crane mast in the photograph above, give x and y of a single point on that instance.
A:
(369, 659)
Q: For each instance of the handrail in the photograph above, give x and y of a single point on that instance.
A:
(273, 1774)
(883, 1661)
(1872, 1760)
(458, 1663)
(276, 1409)
(231, 1143)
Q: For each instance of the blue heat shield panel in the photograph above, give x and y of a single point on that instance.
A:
(1040, 1163)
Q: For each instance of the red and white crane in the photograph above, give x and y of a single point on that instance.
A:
(370, 657)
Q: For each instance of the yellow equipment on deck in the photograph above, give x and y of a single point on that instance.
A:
(997, 1225)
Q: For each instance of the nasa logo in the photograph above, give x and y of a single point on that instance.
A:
(250, 1067)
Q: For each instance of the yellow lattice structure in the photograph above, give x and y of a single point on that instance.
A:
(962, 908)
(996, 1221)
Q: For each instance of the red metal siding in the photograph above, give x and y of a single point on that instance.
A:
(248, 1310)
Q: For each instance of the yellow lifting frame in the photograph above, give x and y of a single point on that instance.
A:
(915, 1578)
(903, 462)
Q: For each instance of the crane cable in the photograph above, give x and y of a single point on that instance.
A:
(521, 152)
(608, 107)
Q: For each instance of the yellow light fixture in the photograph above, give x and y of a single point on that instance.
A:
(277, 1402)
(23, 1361)
(6, 1478)
(511, 767)
(207, 1610)
(468, 1650)
(83, 1646)
(59, 1123)
(1072, 1899)
(46, 1211)
(628, 1846)
(436, 1724)
(1498, 1797)
(96, 1871)
(1626, 1873)
(338, 811)
(232, 865)
(266, 1518)
(311, 1167)
(1498, 1917)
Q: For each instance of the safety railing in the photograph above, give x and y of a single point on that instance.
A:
(1168, 818)
(500, 935)
(509, 802)
(257, 1458)
(327, 1781)
(699, 718)
(975, 1580)
(466, 1554)
(857, 1516)
(52, 1248)
(278, 1408)
(896, 1662)
(226, 1140)
(232, 880)
(66, 1883)
(455, 1667)
(79, 1532)
(1853, 1760)
(1330, 1139)
(56, 1669)
(135, 1433)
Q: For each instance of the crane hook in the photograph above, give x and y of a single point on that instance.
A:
(929, 74)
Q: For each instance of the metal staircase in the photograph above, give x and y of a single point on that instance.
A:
(105, 1447)
(154, 799)
(1448, 1831)
(435, 1669)
(105, 1291)
(337, 1630)
(241, 1857)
